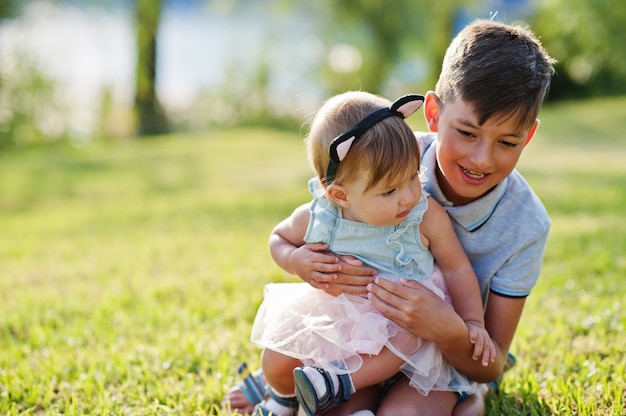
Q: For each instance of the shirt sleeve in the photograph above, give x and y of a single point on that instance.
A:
(520, 273)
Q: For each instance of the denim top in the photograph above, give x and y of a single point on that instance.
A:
(394, 250)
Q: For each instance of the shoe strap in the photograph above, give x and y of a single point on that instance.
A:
(285, 401)
(345, 389)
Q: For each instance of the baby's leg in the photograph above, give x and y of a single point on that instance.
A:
(319, 390)
(402, 399)
(376, 369)
(278, 371)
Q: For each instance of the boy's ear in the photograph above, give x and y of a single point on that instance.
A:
(531, 132)
(431, 111)
(338, 195)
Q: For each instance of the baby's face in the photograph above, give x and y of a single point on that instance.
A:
(383, 203)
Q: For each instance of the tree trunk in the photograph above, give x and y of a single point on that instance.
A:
(151, 119)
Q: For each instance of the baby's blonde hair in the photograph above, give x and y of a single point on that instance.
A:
(387, 151)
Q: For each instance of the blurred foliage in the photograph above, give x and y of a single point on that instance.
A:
(587, 38)
(358, 44)
(243, 100)
(583, 36)
(402, 43)
(7, 8)
(31, 107)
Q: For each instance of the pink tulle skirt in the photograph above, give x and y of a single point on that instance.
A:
(318, 329)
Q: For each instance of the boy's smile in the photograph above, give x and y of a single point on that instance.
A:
(471, 158)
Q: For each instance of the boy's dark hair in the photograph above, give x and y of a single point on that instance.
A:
(499, 69)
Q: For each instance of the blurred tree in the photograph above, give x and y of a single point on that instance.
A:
(151, 118)
(587, 38)
(440, 24)
(11, 8)
(390, 34)
(30, 109)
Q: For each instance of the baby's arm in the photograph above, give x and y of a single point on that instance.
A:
(310, 262)
(287, 238)
(460, 278)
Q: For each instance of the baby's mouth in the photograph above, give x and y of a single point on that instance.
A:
(473, 174)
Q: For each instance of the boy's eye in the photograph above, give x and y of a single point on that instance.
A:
(465, 133)
(389, 192)
(508, 144)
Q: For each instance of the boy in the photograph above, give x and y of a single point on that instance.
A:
(481, 116)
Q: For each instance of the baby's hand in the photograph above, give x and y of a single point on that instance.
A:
(483, 345)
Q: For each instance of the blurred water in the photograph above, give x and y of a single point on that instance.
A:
(87, 49)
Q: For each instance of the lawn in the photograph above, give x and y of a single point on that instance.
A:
(130, 272)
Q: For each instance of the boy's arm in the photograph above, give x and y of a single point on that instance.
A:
(410, 304)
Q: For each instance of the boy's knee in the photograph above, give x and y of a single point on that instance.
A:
(473, 405)
(395, 412)
(403, 411)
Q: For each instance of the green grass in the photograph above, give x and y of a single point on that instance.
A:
(130, 272)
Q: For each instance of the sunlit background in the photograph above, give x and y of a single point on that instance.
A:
(68, 69)
(137, 194)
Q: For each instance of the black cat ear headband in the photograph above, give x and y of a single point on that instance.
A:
(339, 147)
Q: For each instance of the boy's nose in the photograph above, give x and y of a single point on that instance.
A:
(482, 157)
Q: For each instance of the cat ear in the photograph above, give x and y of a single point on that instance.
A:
(410, 107)
(344, 147)
(408, 104)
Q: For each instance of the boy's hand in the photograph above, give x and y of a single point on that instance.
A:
(483, 345)
(329, 272)
(352, 279)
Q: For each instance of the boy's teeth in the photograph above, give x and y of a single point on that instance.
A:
(473, 174)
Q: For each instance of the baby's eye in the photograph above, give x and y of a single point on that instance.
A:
(389, 192)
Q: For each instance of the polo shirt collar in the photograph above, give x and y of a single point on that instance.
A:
(470, 216)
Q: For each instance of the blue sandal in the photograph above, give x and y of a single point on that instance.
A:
(308, 397)
(252, 384)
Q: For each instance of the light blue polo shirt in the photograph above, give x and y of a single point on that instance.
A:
(504, 233)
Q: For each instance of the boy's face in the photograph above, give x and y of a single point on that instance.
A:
(472, 159)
